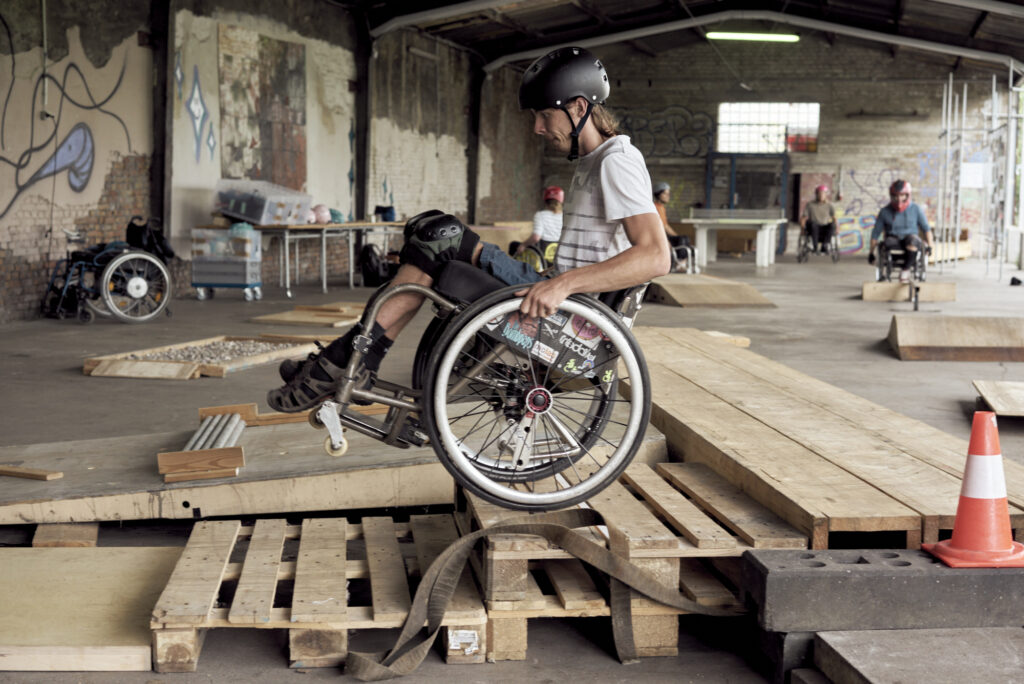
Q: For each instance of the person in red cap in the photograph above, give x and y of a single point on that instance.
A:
(611, 237)
(901, 222)
(547, 223)
(819, 219)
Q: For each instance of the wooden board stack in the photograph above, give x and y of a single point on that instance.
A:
(957, 338)
(303, 578)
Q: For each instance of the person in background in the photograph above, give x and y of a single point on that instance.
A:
(819, 219)
(547, 223)
(662, 196)
(899, 224)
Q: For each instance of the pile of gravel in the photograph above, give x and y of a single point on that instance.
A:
(213, 352)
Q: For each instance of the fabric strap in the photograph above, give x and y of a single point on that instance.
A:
(440, 579)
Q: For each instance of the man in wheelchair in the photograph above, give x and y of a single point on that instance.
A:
(818, 220)
(897, 230)
(611, 237)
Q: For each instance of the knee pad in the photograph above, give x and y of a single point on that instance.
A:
(433, 238)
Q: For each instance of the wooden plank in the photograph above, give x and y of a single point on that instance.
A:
(1005, 398)
(681, 513)
(149, 370)
(254, 597)
(957, 338)
(30, 473)
(573, 585)
(389, 586)
(321, 582)
(189, 475)
(693, 290)
(326, 319)
(432, 535)
(78, 609)
(200, 459)
(916, 438)
(631, 526)
(700, 585)
(754, 523)
(873, 291)
(193, 587)
(66, 535)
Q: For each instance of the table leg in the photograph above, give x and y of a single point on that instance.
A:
(287, 267)
(298, 271)
(323, 260)
(351, 257)
(763, 246)
(701, 238)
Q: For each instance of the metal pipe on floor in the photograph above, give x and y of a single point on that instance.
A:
(199, 434)
(214, 432)
(227, 432)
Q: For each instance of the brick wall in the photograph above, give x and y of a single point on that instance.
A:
(29, 249)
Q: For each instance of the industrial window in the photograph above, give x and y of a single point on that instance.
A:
(768, 127)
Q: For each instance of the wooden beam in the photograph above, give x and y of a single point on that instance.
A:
(982, 16)
(30, 473)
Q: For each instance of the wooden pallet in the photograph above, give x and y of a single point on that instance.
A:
(662, 520)
(1004, 397)
(317, 580)
(123, 366)
(693, 290)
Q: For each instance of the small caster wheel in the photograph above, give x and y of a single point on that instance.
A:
(247, 293)
(315, 421)
(202, 293)
(84, 316)
(329, 447)
(257, 292)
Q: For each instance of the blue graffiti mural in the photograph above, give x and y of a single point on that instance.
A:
(197, 111)
(75, 153)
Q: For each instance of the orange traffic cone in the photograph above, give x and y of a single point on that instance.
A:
(981, 532)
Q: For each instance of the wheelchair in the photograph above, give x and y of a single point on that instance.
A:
(126, 280)
(529, 414)
(540, 256)
(892, 257)
(805, 246)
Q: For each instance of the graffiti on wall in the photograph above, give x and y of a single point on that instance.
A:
(195, 106)
(674, 131)
(263, 107)
(48, 152)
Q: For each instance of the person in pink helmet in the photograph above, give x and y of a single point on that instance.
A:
(819, 219)
(547, 223)
(901, 224)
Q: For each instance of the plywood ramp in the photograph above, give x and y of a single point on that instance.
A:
(693, 290)
(80, 609)
(873, 291)
(1005, 398)
(286, 470)
(810, 452)
(957, 338)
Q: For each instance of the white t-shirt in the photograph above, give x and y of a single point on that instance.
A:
(610, 184)
(547, 225)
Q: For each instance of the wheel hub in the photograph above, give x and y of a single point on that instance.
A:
(137, 287)
(538, 400)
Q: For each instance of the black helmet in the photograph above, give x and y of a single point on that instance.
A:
(562, 75)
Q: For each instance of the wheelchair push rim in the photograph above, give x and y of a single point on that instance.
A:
(483, 435)
(135, 287)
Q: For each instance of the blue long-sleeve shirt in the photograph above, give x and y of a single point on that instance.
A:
(900, 224)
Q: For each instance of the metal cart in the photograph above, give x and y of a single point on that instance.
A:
(227, 258)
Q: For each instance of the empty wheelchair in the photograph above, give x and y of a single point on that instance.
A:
(531, 414)
(805, 246)
(127, 280)
(892, 257)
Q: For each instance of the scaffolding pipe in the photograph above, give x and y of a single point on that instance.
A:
(941, 218)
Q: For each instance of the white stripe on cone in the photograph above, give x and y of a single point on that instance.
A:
(983, 477)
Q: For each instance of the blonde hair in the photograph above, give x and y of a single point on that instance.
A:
(606, 123)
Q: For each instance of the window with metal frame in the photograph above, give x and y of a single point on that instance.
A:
(767, 127)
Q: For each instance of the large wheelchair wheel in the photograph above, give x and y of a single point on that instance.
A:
(528, 414)
(803, 248)
(534, 257)
(135, 287)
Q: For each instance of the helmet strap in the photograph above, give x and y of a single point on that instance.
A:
(574, 146)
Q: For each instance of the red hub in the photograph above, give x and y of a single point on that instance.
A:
(538, 400)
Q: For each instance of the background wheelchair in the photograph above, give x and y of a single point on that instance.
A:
(805, 246)
(891, 257)
(127, 280)
(539, 255)
(531, 414)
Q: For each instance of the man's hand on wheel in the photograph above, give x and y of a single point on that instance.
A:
(928, 250)
(871, 258)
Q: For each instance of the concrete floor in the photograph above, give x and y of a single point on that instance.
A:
(821, 327)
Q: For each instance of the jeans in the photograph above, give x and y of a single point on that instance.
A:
(506, 269)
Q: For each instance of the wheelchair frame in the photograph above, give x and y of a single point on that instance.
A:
(411, 410)
(805, 246)
(884, 269)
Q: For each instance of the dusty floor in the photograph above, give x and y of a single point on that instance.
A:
(821, 327)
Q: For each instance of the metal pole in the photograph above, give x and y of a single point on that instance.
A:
(1011, 154)
(960, 174)
(199, 434)
(228, 431)
(941, 217)
(214, 432)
